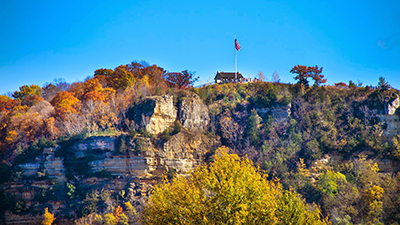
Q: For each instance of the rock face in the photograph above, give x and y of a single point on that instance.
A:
(385, 165)
(392, 125)
(46, 165)
(155, 113)
(193, 113)
(392, 106)
(279, 113)
(182, 153)
(390, 118)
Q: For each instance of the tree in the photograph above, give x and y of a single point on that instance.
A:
(181, 80)
(229, 191)
(304, 72)
(65, 102)
(26, 91)
(50, 89)
(275, 77)
(383, 84)
(48, 217)
(341, 85)
(261, 76)
(122, 78)
(7, 104)
(253, 128)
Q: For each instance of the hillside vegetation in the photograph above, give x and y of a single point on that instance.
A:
(323, 143)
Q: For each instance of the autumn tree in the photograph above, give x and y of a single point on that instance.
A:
(103, 75)
(65, 102)
(275, 77)
(7, 104)
(341, 85)
(304, 72)
(28, 95)
(122, 77)
(48, 217)
(26, 90)
(229, 191)
(181, 80)
(50, 89)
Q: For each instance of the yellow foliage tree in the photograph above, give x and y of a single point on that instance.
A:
(229, 191)
(48, 217)
(110, 219)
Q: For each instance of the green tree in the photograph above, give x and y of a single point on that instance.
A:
(229, 191)
(383, 84)
(252, 128)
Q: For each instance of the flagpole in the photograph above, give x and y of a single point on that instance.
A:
(235, 59)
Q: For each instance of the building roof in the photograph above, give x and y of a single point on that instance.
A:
(228, 75)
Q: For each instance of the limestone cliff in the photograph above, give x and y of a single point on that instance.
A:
(280, 113)
(390, 118)
(193, 113)
(116, 162)
(155, 113)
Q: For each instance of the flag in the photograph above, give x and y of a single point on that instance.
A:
(237, 46)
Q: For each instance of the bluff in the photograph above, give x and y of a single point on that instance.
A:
(134, 161)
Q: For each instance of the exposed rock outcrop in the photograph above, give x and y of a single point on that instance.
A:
(280, 113)
(391, 118)
(46, 165)
(193, 113)
(392, 106)
(392, 123)
(182, 153)
(155, 113)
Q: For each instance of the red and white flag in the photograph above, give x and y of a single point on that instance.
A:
(237, 46)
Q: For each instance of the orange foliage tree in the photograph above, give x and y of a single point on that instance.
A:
(7, 104)
(65, 102)
(304, 72)
(181, 80)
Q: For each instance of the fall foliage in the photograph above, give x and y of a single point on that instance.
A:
(284, 129)
(48, 217)
(181, 80)
(304, 72)
(229, 191)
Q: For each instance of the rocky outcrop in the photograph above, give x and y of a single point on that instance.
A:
(193, 113)
(385, 165)
(391, 118)
(280, 113)
(155, 113)
(45, 165)
(392, 106)
(182, 153)
(392, 124)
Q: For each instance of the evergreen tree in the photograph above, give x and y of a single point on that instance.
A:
(252, 128)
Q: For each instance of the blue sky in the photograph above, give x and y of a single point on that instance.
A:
(356, 40)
